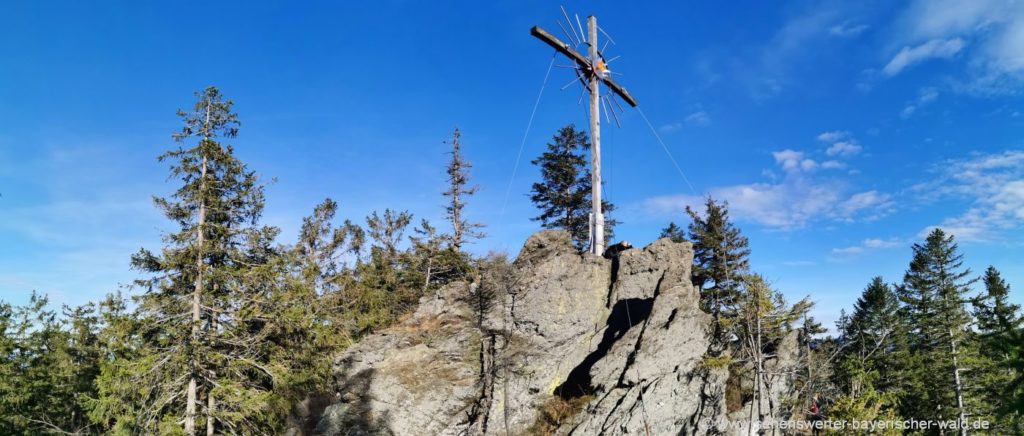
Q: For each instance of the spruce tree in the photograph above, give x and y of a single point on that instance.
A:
(872, 337)
(438, 263)
(720, 264)
(386, 288)
(195, 345)
(673, 233)
(934, 292)
(564, 193)
(458, 178)
(320, 246)
(764, 319)
(1001, 342)
(48, 367)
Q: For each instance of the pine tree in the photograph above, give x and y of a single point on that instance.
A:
(458, 178)
(564, 193)
(673, 233)
(720, 264)
(49, 364)
(385, 286)
(196, 340)
(437, 262)
(933, 290)
(764, 320)
(320, 246)
(872, 338)
(1001, 341)
(813, 372)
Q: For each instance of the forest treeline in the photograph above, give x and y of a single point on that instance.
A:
(932, 347)
(228, 328)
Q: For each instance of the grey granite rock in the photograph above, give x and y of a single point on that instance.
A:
(623, 339)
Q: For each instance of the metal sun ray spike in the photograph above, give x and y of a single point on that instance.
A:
(591, 71)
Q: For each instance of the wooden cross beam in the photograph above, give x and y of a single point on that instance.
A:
(593, 67)
(580, 60)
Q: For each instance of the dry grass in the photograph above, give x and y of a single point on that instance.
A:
(420, 377)
(736, 394)
(426, 325)
(557, 411)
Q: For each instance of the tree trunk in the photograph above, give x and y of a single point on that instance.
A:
(958, 386)
(210, 402)
(192, 394)
(190, 405)
(456, 219)
(426, 281)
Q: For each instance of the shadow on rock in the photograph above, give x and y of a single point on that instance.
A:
(625, 315)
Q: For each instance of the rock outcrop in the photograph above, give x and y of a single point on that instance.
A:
(571, 344)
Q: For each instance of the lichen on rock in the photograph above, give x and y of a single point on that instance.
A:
(579, 343)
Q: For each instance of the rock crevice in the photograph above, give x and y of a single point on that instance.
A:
(621, 340)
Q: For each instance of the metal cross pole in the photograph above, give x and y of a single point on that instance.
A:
(594, 68)
(597, 240)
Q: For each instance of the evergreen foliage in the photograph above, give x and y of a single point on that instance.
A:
(764, 319)
(458, 179)
(229, 328)
(47, 364)
(564, 193)
(1000, 340)
(673, 233)
(934, 293)
(873, 342)
(720, 265)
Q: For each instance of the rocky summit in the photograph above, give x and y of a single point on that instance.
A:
(565, 343)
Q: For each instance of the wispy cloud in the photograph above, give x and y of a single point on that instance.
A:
(799, 263)
(936, 48)
(832, 165)
(925, 96)
(842, 144)
(992, 185)
(833, 136)
(847, 29)
(843, 148)
(988, 33)
(867, 245)
(801, 196)
(670, 127)
(792, 160)
(699, 118)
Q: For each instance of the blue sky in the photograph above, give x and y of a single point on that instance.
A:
(839, 132)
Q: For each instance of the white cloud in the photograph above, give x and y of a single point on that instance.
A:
(833, 136)
(832, 165)
(847, 30)
(699, 118)
(881, 243)
(992, 184)
(868, 245)
(995, 29)
(935, 48)
(876, 203)
(843, 148)
(792, 160)
(799, 263)
(842, 145)
(799, 197)
(925, 96)
(671, 127)
(788, 159)
(856, 249)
